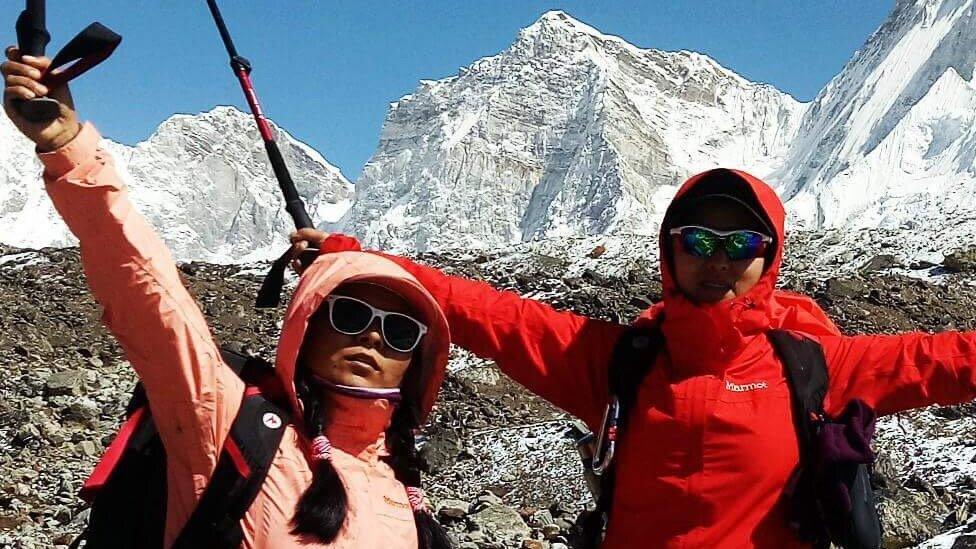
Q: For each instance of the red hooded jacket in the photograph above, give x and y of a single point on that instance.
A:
(711, 439)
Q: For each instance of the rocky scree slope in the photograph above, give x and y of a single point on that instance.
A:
(503, 470)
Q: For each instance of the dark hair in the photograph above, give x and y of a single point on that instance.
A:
(322, 509)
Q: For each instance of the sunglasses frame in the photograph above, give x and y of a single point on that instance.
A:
(376, 313)
(724, 237)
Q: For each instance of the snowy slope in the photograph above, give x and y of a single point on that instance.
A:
(567, 132)
(203, 182)
(890, 141)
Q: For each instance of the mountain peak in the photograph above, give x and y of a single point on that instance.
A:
(559, 18)
(558, 21)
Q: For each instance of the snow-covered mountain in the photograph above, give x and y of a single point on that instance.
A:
(891, 140)
(203, 182)
(568, 131)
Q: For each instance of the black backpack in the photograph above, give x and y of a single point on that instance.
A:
(829, 498)
(127, 489)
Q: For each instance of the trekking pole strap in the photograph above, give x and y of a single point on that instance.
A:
(84, 52)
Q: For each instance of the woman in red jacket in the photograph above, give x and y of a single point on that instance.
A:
(711, 441)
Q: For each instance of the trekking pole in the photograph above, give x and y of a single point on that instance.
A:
(270, 293)
(32, 39)
(94, 44)
(242, 68)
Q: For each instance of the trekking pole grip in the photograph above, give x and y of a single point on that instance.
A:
(32, 35)
(32, 39)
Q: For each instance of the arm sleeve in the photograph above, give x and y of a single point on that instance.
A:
(893, 373)
(561, 356)
(193, 395)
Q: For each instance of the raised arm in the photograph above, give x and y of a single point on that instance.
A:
(193, 395)
(558, 355)
(893, 373)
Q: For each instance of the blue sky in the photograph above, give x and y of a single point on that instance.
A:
(327, 70)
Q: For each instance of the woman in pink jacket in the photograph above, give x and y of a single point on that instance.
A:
(361, 357)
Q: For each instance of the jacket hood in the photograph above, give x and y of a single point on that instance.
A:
(707, 337)
(321, 278)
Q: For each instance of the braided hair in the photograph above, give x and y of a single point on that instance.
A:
(321, 511)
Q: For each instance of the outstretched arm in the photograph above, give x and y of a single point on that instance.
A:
(893, 373)
(558, 355)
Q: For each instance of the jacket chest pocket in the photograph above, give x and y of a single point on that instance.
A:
(754, 407)
(752, 431)
(389, 500)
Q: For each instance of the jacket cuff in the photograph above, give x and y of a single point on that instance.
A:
(338, 242)
(71, 155)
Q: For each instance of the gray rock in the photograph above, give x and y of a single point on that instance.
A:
(442, 450)
(87, 448)
(503, 522)
(81, 519)
(68, 382)
(961, 261)
(880, 263)
(53, 433)
(564, 523)
(910, 518)
(540, 519)
(484, 500)
(26, 434)
(82, 409)
(550, 531)
(452, 509)
(62, 514)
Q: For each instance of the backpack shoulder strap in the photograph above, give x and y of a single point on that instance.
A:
(633, 356)
(806, 375)
(241, 470)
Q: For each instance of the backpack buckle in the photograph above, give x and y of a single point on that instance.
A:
(606, 440)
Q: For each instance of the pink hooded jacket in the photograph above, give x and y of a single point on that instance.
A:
(195, 396)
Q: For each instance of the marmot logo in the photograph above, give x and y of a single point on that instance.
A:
(745, 387)
(395, 503)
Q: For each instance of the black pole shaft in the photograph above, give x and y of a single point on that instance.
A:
(222, 28)
(32, 35)
(242, 68)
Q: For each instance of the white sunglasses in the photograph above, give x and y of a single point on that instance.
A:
(352, 316)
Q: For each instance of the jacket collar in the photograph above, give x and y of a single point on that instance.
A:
(706, 338)
(357, 426)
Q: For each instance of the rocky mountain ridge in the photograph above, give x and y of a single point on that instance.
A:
(203, 181)
(570, 133)
(567, 132)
